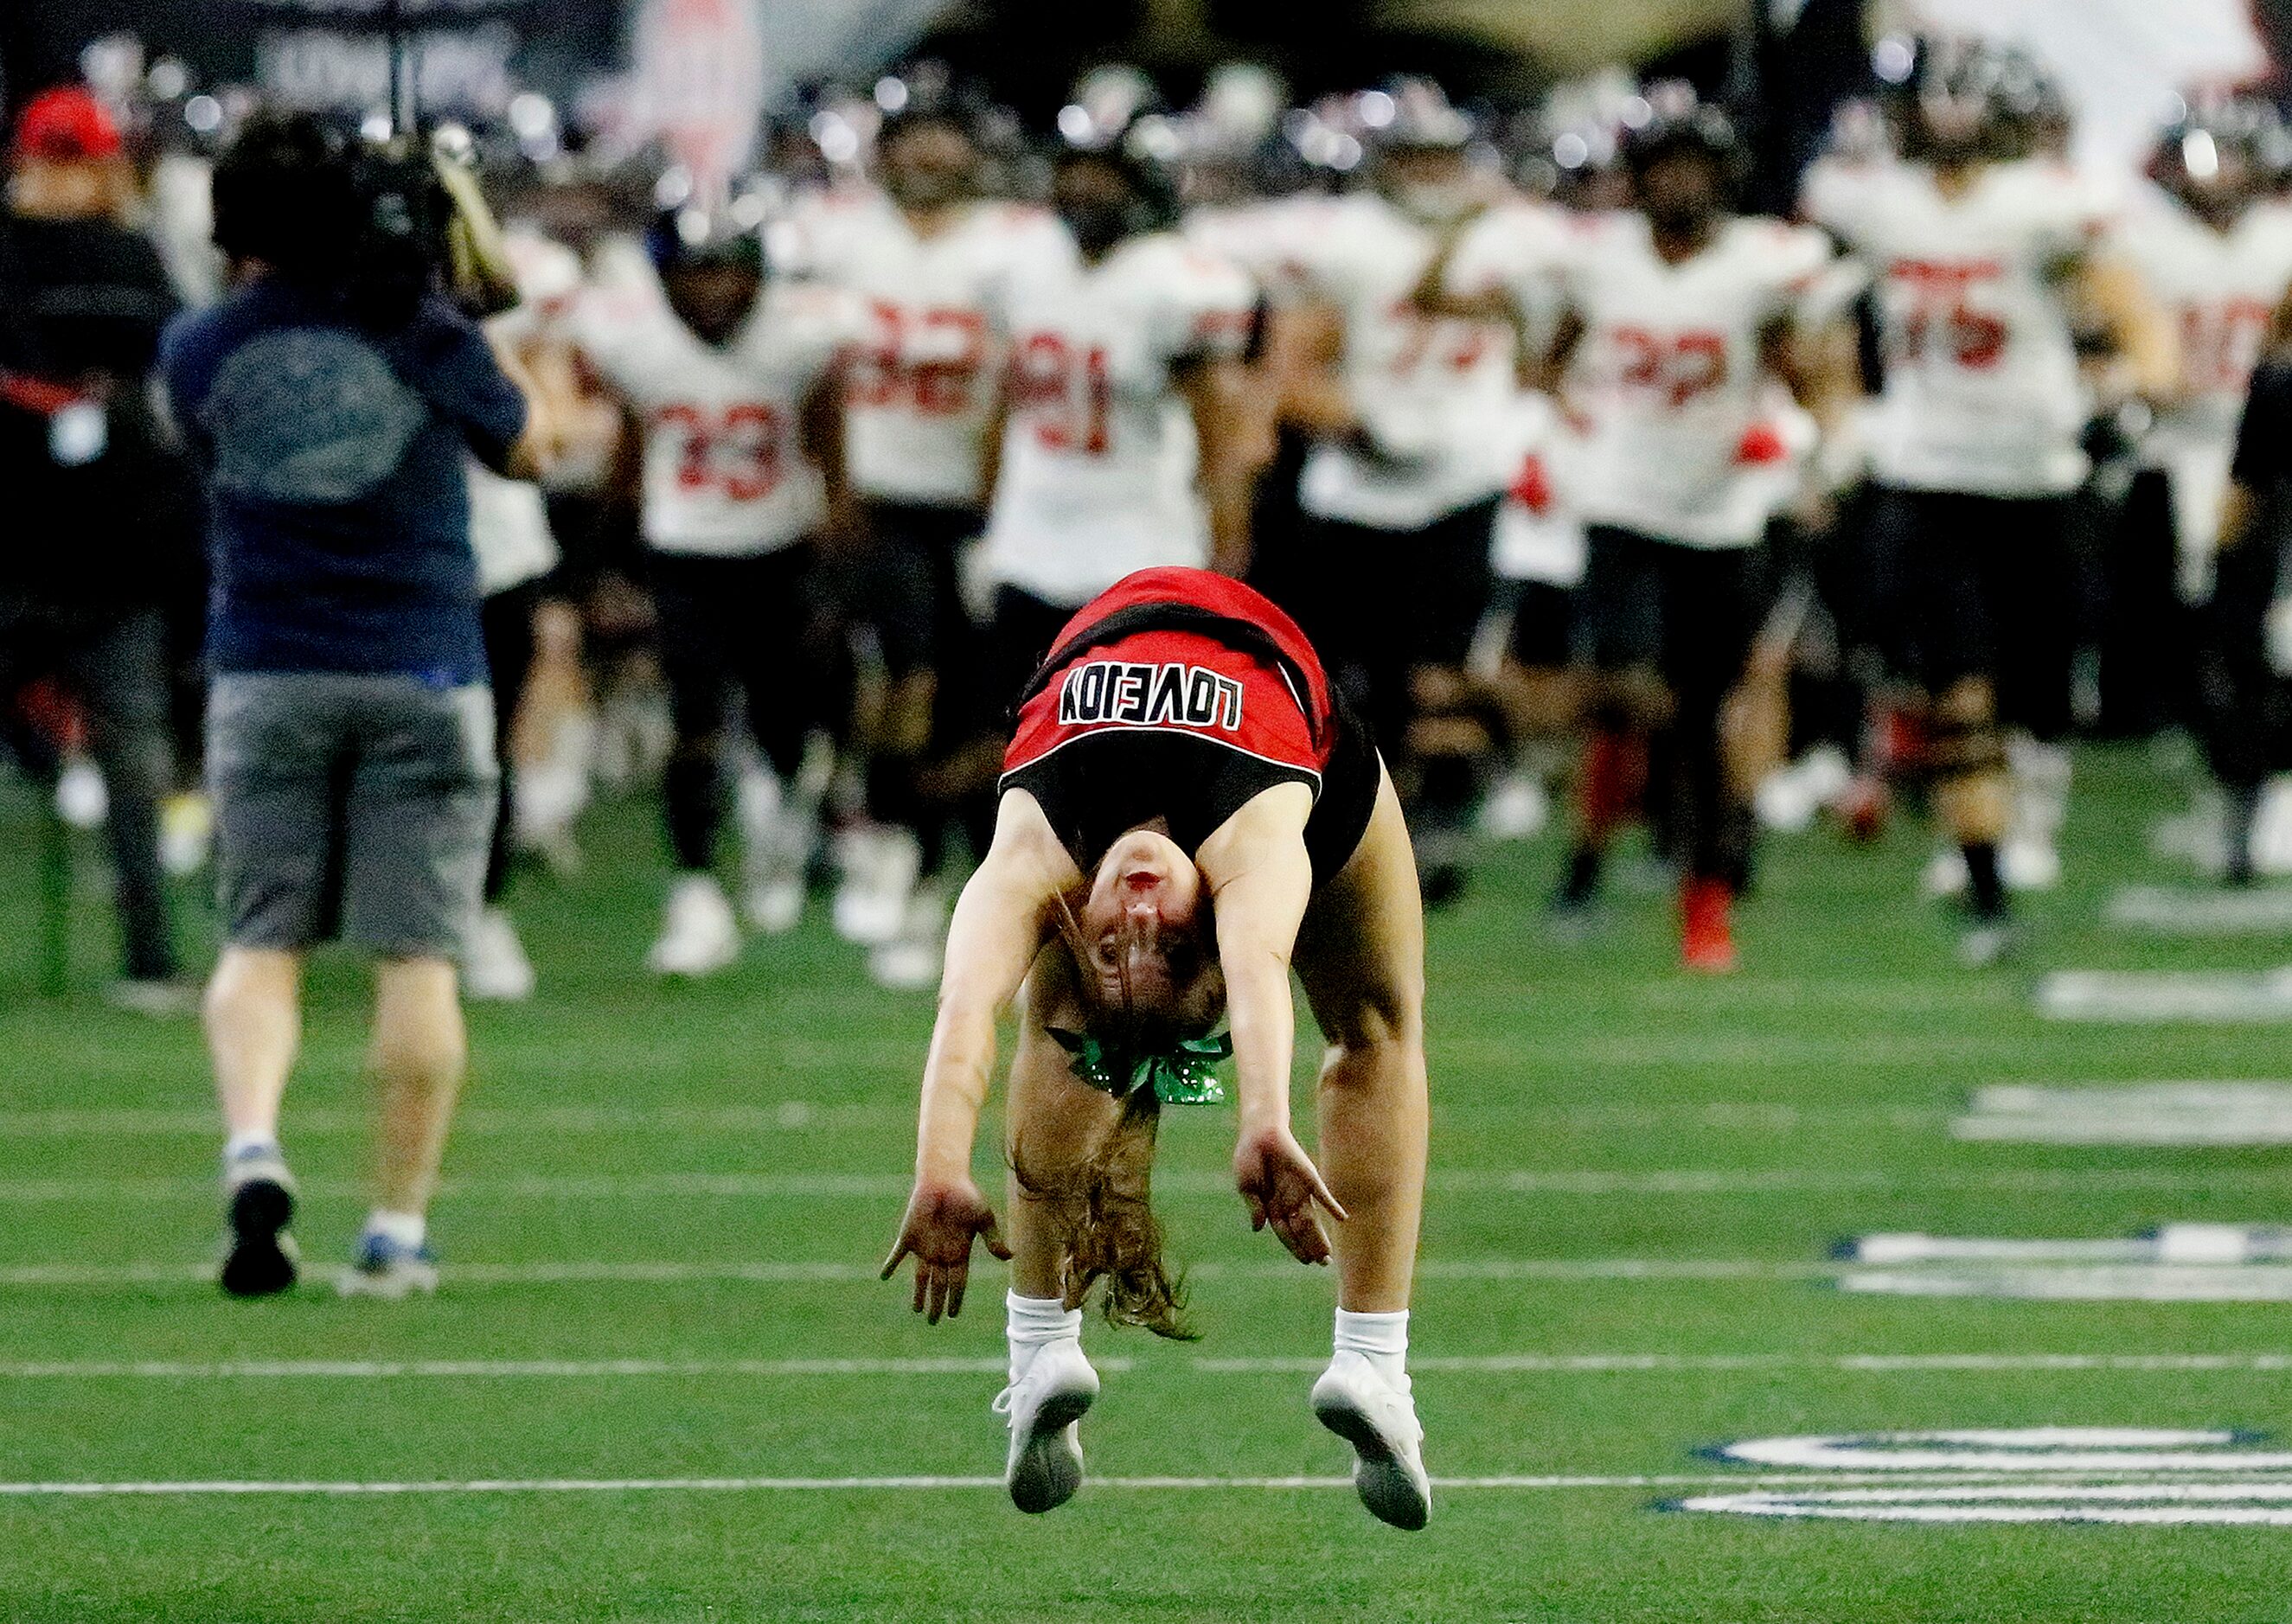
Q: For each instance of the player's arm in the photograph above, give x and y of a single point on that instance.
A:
(1234, 440)
(996, 930)
(1261, 879)
(2141, 340)
(822, 417)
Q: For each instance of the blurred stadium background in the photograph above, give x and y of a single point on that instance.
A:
(1850, 1286)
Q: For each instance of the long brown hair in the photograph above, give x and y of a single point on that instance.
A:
(1103, 1205)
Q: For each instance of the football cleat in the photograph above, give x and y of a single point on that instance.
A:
(698, 935)
(2029, 864)
(258, 1204)
(1042, 1407)
(1706, 936)
(1379, 1421)
(1985, 942)
(385, 1270)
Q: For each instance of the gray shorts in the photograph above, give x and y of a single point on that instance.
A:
(349, 805)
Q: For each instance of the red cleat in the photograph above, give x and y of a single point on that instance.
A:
(1706, 936)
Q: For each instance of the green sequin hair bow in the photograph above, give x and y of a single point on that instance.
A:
(1182, 1075)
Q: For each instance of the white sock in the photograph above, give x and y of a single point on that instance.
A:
(250, 1140)
(1381, 1338)
(1033, 1323)
(402, 1229)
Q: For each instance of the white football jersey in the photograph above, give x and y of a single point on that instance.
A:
(1982, 394)
(725, 470)
(1428, 390)
(922, 385)
(1682, 442)
(1098, 455)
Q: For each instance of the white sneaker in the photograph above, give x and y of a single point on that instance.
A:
(83, 799)
(2030, 866)
(1379, 1421)
(911, 962)
(698, 935)
(1944, 874)
(879, 866)
(186, 834)
(778, 834)
(495, 969)
(1045, 1467)
(1516, 809)
(1788, 798)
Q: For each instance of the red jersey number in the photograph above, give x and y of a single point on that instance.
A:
(1676, 366)
(927, 361)
(1941, 323)
(1066, 392)
(1428, 343)
(734, 450)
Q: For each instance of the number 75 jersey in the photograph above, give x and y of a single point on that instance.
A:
(724, 471)
(1982, 394)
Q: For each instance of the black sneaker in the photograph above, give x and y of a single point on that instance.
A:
(258, 1204)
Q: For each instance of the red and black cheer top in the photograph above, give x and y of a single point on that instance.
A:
(1179, 694)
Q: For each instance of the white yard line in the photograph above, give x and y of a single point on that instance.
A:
(1520, 1363)
(1590, 1184)
(762, 1486)
(55, 1276)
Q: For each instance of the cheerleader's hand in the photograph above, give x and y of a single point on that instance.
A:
(1279, 1185)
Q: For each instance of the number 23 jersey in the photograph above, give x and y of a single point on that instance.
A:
(725, 473)
(1982, 394)
(1099, 453)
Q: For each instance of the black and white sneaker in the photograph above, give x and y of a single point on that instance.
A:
(258, 1196)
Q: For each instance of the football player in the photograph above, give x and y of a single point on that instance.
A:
(1689, 331)
(1988, 271)
(734, 383)
(928, 253)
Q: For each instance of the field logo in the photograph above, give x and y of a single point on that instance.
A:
(2186, 1263)
(2131, 1113)
(2026, 1475)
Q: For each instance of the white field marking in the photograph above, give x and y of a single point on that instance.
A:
(362, 1370)
(764, 1486)
(49, 1275)
(2142, 998)
(1561, 1364)
(2159, 1282)
(787, 1116)
(2155, 1505)
(2136, 1113)
(2171, 1244)
(1575, 1182)
(2180, 911)
(2084, 1450)
(1570, 1364)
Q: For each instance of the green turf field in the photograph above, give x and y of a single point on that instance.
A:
(1628, 1167)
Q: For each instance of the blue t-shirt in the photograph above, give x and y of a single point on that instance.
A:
(339, 507)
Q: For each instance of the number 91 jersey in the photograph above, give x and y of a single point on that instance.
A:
(1982, 395)
(725, 470)
(1671, 375)
(1099, 453)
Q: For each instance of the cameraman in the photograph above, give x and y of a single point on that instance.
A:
(101, 509)
(331, 398)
